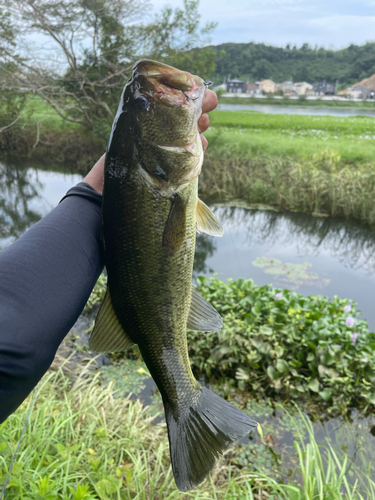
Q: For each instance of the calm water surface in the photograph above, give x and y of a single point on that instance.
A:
(297, 110)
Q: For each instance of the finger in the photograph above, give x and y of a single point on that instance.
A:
(210, 101)
(204, 142)
(203, 122)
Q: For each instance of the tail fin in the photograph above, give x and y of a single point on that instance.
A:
(200, 433)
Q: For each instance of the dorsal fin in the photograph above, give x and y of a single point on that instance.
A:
(202, 316)
(108, 335)
(206, 221)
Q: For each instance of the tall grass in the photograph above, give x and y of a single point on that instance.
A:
(83, 443)
(321, 185)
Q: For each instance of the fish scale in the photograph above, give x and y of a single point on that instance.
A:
(151, 212)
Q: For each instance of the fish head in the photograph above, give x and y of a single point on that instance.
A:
(166, 104)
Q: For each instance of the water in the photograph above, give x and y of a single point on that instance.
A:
(322, 255)
(27, 195)
(340, 257)
(297, 110)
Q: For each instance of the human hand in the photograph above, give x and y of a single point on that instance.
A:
(209, 104)
(95, 177)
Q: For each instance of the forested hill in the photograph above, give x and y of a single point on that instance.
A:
(257, 61)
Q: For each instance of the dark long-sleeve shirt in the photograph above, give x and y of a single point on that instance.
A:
(46, 277)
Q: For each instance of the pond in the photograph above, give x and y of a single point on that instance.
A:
(308, 254)
(297, 110)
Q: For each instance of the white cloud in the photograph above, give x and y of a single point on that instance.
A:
(278, 22)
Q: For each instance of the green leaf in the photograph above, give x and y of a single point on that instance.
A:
(272, 373)
(282, 366)
(314, 385)
(325, 394)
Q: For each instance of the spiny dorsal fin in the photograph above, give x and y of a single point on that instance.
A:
(108, 335)
(206, 221)
(202, 316)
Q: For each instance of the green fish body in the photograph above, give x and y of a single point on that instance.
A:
(151, 213)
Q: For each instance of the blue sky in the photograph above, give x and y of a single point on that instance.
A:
(328, 23)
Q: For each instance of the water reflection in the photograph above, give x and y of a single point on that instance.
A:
(340, 253)
(15, 213)
(350, 242)
(27, 195)
(205, 247)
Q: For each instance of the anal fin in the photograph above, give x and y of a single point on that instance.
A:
(108, 334)
(203, 317)
(206, 221)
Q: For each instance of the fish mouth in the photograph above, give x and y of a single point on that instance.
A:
(171, 86)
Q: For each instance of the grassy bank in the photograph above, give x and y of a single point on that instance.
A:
(83, 443)
(293, 136)
(318, 103)
(321, 165)
(49, 140)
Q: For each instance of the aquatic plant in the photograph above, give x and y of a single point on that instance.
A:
(290, 274)
(294, 347)
(282, 344)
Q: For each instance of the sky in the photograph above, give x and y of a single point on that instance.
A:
(328, 23)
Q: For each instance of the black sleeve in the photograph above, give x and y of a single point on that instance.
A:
(45, 280)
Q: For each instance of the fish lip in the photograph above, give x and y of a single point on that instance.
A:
(171, 86)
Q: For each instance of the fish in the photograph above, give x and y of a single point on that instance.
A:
(150, 216)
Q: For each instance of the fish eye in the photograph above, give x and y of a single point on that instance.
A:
(143, 103)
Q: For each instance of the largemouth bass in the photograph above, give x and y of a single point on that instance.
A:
(151, 213)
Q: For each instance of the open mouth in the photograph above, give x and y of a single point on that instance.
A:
(171, 86)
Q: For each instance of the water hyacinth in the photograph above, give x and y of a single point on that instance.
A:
(347, 308)
(354, 338)
(278, 296)
(349, 321)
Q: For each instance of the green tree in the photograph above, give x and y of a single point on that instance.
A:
(92, 45)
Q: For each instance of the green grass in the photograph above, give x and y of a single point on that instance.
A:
(353, 138)
(321, 165)
(83, 443)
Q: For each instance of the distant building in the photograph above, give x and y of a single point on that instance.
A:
(286, 87)
(236, 86)
(267, 86)
(252, 88)
(303, 88)
(360, 92)
(324, 88)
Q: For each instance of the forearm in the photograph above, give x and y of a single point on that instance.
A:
(45, 280)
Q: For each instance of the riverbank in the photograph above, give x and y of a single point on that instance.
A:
(301, 101)
(317, 165)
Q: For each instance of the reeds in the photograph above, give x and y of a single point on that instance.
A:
(83, 443)
(321, 185)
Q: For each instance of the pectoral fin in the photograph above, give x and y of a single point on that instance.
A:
(108, 335)
(206, 221)
(202, 316)
(175, 227)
